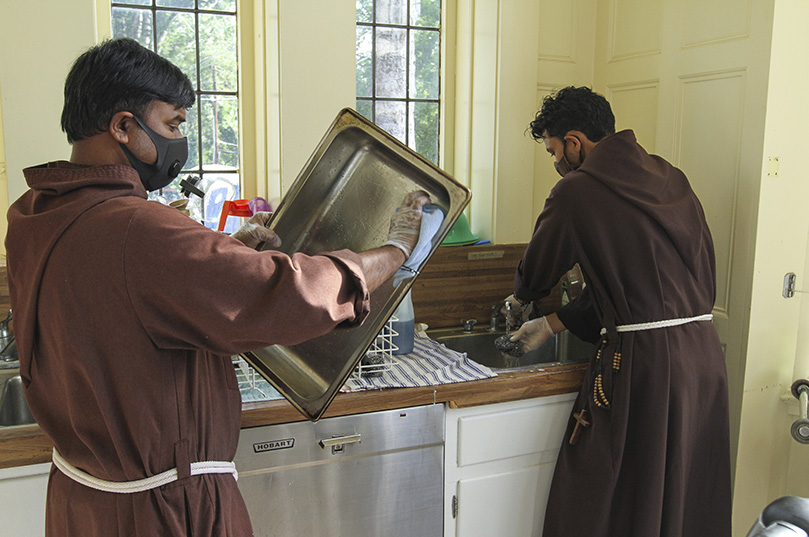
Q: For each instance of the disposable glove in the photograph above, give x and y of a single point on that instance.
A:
(406, 221)
(532, 334)
(517, 312)
(254, 232)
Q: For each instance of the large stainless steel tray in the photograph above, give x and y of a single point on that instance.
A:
(343, 198)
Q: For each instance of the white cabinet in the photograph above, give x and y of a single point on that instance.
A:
(499, 464)
(22, 500)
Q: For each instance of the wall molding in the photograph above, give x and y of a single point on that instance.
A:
(614, 56)
(733, 36)
(570, 57)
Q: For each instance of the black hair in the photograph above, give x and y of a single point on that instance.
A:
(118, 75)
(573, 108)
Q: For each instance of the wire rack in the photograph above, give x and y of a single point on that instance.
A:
(251, 384)
(379, 357)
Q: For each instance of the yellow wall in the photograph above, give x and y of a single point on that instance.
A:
(770, 462)
(38, 43)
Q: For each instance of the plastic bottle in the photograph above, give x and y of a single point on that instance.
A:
(404, 326)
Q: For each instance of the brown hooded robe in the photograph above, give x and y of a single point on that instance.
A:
(655, 459)
(127, 313)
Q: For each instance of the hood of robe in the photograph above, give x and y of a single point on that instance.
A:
(59, 192)
(656, 187)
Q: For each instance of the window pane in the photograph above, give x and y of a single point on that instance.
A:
(133, 23)
(217, 61)
(365, 66)
(391, 62)
(220, 132)
(365, 10)
(191, 130)
(365, 108)
(176, 41)
(391, 12)
(135, 2)
(391, 117)
(188, 4)
(425, 13)
(424, 130)
(227, 6)
(425, 54)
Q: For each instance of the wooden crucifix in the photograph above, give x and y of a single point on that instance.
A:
(581, 422)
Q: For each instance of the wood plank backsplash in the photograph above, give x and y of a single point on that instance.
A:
(464, 282)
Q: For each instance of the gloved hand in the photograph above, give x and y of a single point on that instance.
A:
(406, 222)
(516, 312)
(532, 334)
(255, 231)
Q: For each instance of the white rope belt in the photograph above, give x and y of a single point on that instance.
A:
(659, 324)
(140, 485)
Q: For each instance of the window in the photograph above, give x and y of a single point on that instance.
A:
(398, 69)
(200, 37)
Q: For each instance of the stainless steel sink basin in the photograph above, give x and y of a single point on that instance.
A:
(564, 348)
(13, 408)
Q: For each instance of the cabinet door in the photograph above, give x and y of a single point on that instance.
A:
(23, 490)
(500, 462)
(508, 504)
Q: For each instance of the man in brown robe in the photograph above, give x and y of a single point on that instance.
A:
(649, 453)
(127, 312)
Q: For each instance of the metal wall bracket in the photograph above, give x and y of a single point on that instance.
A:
(789, 285)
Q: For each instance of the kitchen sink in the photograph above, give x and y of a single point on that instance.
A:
(13, 408)
(563, 348)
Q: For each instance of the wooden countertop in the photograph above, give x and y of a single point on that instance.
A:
(27, 444)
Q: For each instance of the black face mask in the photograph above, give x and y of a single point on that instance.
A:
(171, 156)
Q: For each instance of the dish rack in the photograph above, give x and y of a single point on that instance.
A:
(379, 356)
(251, 384)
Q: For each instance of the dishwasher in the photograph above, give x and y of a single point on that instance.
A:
(372, 475)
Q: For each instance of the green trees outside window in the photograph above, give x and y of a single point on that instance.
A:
(398, 69)
(200, 37)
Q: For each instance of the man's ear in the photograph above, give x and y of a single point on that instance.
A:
(574, 138)
(119, 126)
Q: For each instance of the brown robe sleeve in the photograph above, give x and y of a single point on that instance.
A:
(549, 254)
(195, 288)
(580, 317)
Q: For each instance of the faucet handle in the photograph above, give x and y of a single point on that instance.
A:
(4, 330)
(469, 324)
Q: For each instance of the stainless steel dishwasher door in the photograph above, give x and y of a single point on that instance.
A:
(370, 475)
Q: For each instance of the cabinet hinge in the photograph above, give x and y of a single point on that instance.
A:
(454, 506)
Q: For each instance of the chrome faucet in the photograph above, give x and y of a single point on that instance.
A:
(8, 346)
(469, 324)
(494, 321)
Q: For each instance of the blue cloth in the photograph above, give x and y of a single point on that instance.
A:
(432, 216)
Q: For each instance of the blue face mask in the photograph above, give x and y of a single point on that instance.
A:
(171, 156)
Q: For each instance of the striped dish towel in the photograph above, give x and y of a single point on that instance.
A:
(429, 364)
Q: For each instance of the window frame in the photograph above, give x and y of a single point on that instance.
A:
(439, 101)
(238, 94)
